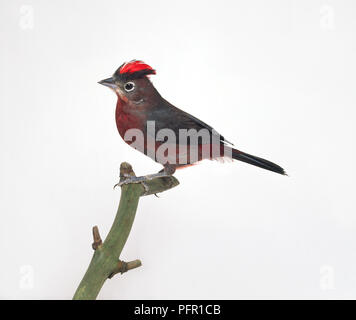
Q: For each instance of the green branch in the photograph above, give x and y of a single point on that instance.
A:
(105, 262)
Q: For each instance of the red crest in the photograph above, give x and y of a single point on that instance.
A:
(135, 66)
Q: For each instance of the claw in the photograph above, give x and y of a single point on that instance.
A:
(117, 185)
(123, 179)
(127, 179)
(132, 179)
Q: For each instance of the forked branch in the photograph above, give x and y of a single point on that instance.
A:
(105, 262)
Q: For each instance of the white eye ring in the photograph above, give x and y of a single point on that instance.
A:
(129, 86)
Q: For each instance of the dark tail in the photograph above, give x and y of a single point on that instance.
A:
(256, 161)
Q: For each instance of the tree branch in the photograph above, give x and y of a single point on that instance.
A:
(105, 262)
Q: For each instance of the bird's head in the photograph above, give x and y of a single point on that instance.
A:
(130, 81)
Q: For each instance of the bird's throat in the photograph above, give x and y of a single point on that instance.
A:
(125, 119)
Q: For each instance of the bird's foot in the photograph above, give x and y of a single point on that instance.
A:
(127, 179)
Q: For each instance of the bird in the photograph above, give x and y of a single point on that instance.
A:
(163, 132)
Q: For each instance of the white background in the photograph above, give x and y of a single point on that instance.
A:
(277, 78)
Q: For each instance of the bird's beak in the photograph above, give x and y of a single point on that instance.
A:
(109, 82)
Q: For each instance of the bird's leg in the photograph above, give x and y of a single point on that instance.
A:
(167, 171)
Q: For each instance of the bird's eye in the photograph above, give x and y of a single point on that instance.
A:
(129, 86)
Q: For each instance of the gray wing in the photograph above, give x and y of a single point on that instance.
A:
(168, 116)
